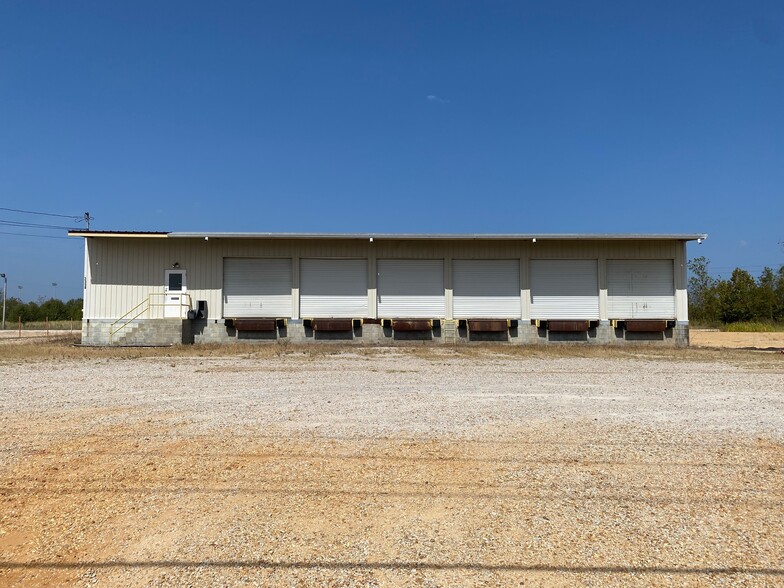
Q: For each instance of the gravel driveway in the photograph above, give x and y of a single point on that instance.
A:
(387, 467)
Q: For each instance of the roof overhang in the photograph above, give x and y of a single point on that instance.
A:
(406, 236)
(125, 234)
(448, 236)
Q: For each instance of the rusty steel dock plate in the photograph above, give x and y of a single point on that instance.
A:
(646, 326)
(568, 326)
(260, 324)
(325, 325)
(411, 325)
(487, 325)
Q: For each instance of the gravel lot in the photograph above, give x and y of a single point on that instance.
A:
(382, 467)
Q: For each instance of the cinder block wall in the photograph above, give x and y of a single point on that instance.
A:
(163, 332)
(141, 332)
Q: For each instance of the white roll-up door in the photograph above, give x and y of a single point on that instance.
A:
(333, 288)
(564, 289)
(486, 288)
(411, 288)
(256, 288)
(640, 288)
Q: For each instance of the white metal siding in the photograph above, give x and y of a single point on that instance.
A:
(124, 271)
(411, 288)
(486, 288)
(564, 289)
(640, 288)
(333, 288)
(256, 287)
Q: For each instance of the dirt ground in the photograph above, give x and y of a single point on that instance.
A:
(709, 338)
(698, 338)
(25, 335)
(393, 468)
(130, 506)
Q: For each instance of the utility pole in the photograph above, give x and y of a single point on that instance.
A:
(5, 287)
(87, 219)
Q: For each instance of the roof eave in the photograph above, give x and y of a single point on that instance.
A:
(123, 234)
(447, 236)
(400, 236)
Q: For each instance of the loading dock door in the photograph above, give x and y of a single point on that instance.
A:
(333, 288)
(411, 288)
(564, 289)
(486, 288)
(256, 288)
(640, 288)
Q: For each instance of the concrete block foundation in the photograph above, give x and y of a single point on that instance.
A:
(164, 332)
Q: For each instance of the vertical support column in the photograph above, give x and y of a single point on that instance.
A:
(528, 333)
(217, 257)
(295, 285)
(681, 282)
(448, 298)
(604, 333)
(525, 283)
(602, 277)
(86, 314)
(372, 282)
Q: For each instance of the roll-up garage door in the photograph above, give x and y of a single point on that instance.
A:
(256, 287)
(564, 289)
(486, 288)
(411, 288)
(640, 288)
(333, 288)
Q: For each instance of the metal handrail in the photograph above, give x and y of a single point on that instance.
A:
(145, 306)
(113, 331)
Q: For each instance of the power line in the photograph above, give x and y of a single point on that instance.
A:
(32, 225)
(71, 216)
(39, 236)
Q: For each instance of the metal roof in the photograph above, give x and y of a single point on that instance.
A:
(80, 233)
(446, 236)
(405, 236)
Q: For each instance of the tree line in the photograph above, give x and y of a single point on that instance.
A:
(741, 298)
(52, 309)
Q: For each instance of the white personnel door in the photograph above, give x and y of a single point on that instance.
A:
(175, 303)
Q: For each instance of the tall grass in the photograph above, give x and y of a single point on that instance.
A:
(41, 325)
(754, 327)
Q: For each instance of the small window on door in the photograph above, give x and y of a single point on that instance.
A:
(175, 282)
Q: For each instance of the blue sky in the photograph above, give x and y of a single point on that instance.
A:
(412, 116)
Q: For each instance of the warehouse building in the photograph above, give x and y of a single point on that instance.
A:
(151, 288)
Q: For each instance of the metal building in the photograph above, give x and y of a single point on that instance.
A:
(145, 288)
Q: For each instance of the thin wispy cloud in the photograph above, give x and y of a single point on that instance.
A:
(434, 98)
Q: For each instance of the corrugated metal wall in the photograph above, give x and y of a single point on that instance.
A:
(123, 271)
